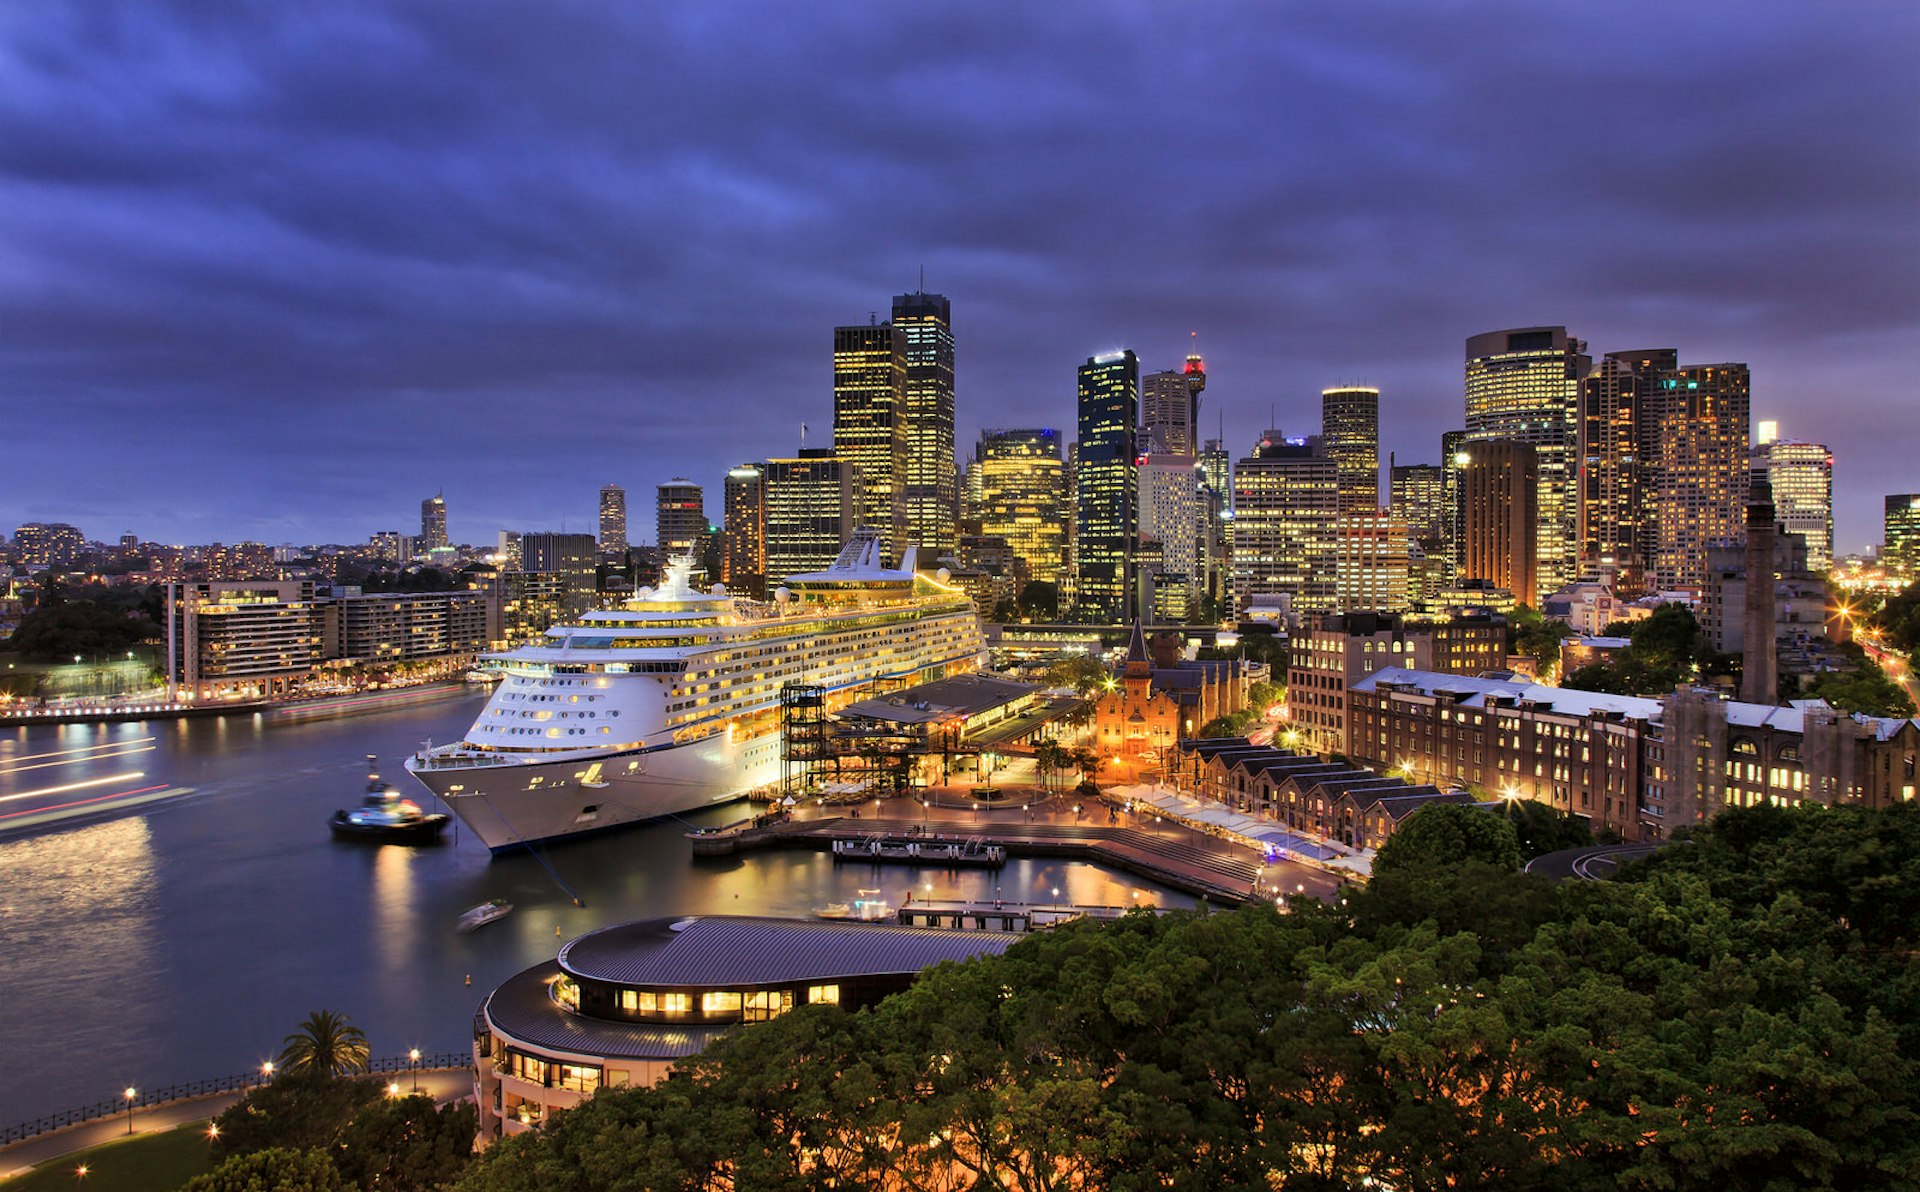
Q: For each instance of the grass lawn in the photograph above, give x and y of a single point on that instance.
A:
(144, 1163)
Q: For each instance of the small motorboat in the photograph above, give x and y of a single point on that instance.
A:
(868, 908)
(386, 817)
(479, 916)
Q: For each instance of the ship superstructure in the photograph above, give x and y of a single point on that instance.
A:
(671, 701)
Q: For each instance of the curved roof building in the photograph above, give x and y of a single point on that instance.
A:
(620, 1006)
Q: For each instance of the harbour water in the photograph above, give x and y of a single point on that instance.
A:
(182, 937)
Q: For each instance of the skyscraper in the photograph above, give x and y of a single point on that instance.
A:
(680, 517)
(1453, 457)
(923, 327)
(1023, 498)
(572, 557)
(1523, 385)
(745, 495)
(1900, 545)
(870, 425)
(1613, 469)
(1350, 428)
(1170, 514)
(1418, 497)
(1286, 512)
(1499, 485)
(433, 523)
(1801, 477)
(1694, 437)
(1106, 513)
(1663, 468)
(812, 504)
(613, 520)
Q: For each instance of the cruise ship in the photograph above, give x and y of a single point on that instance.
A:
(671, 702)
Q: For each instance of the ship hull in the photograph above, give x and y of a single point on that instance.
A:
(513, 805)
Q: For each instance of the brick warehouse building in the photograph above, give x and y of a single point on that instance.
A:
(1641, 767)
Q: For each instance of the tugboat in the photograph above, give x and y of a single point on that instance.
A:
(384, 817)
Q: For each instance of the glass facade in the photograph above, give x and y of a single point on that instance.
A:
(1106, 512)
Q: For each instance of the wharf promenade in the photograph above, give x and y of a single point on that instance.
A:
(1036, 823)
(444, 1085)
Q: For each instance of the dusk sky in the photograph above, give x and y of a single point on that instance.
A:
(279, 272)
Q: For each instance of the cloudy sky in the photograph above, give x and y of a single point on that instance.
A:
(277, 271)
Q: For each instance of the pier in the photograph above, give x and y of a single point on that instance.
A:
(878, 831)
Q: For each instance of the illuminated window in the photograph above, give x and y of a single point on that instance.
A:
(823, 994)
(635, 1002)
(676, 1003)
(567, 993)
(720, 1002)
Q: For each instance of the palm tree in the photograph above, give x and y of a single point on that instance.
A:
(326, 1044)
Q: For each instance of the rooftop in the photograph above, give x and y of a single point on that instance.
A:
(727, 951)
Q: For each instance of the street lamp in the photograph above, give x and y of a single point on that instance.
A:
(130, 1094)
(393, 1088)
(266, 1071)
(413, 1061)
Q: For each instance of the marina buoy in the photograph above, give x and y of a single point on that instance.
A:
(469, 978)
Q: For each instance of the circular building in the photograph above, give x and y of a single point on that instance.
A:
(622, 1005)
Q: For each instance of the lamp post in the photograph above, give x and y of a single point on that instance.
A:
(130, 1094)
(413, 1062)
(266, 1072)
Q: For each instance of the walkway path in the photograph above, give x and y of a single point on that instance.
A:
(15, 1160)
(1036, 823)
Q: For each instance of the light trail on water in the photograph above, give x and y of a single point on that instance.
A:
(73, 786)
(105, 749)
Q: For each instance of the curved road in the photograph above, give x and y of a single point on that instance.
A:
(1596, 863)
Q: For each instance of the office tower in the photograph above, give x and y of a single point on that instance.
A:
(1758, 650)
(745, 560)
(1900, 545)
(870, 425)
(1350, 428)
(1170, 514)
(1663, 467)
(1164, 405)
(1523, 385)
(1022, 498)
(1286, 511)
(1106, 509)
(1453, 457)
(613, 520)
(1613, 468)
(1372, 561)
(1418, 497)
(812, 507)
(507, 555)
(1694, 439)
(923, 327)
(680, 517)
(1215, 474)
(1801, 477)
(573, 557)
(1499, 485)
(433, 523)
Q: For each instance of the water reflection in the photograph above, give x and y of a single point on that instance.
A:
(186, 939)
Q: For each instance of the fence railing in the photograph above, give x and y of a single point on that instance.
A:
(150, 1098)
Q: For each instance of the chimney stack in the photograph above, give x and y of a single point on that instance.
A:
(1759, 679)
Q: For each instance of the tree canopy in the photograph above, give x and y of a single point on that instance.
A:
(1667, 649)
(277, 1169)
(326, 1042)
(1741, 1011)
(1448, 835)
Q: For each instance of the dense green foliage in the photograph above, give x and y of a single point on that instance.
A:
(1039, 601)
(91, 622)
(1445, 836)
(299, 1111)
(1668, 649)
(1538, 638)
(405, 1144)
(1255, 646)
(1084, 673)
(273, 1170)
(1539, 828)
(1742, 1011)
(1866, 689)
